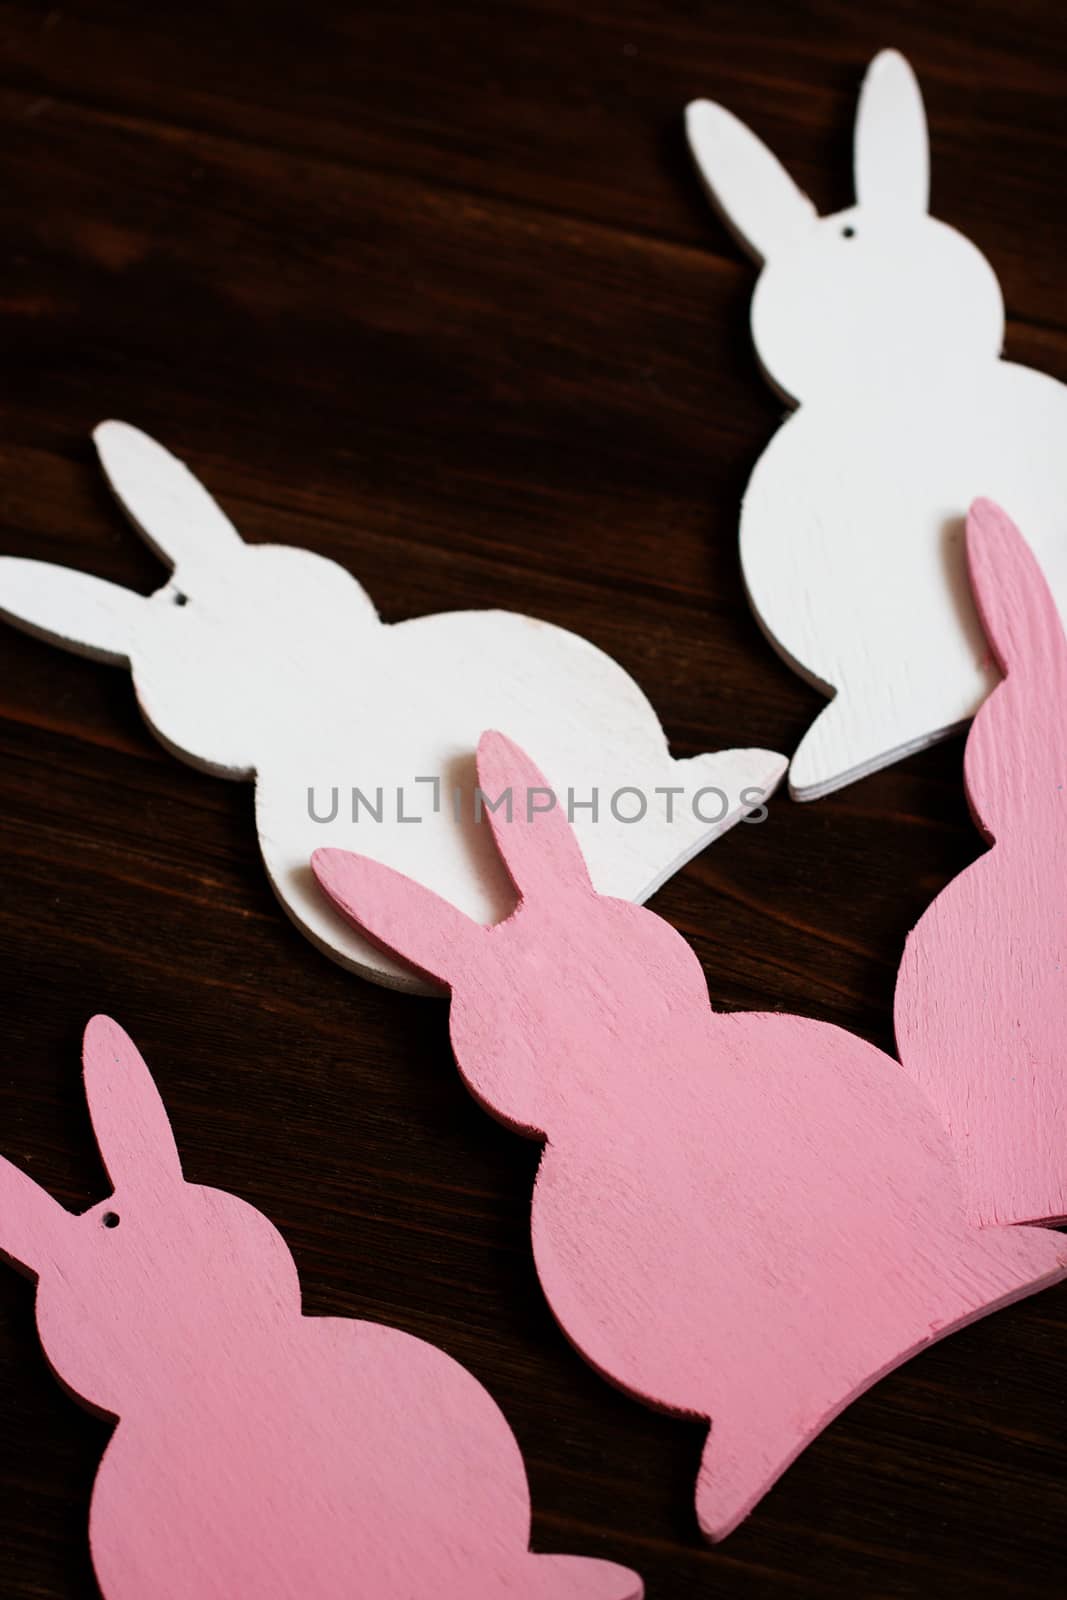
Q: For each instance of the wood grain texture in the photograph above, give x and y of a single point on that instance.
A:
(258, 1451)
(885, 328)
(979, 1009)
(266, 662)
(473, 258)
(745, 1218)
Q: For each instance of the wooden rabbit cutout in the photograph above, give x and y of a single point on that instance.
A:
(268, 662)
(885, 328)
(746, 1218)
(259, 1452)
(981, 1003)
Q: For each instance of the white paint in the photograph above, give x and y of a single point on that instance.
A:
(885, 327)
(277, 667)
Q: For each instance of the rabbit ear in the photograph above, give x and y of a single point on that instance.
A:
(166, 504)
(399, 914)
(1015, 604)
(81, 613)
(891, 157)
(132, 1130)
(33, 1226)
(532, 834)
(747, 184)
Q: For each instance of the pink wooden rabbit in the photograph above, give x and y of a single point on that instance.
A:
(745, 1218)
(260, 1454)
(981, 1004)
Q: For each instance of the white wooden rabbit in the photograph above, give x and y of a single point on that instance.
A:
(270, 662)
(885, 327)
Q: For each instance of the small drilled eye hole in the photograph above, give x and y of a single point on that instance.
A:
(181, 599)
(848, 231)
(111, 1219)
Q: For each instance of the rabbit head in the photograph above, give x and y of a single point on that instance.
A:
(241, 638)
(132, 1290)
(1016, 760)
(541, 1000)
(877, 294)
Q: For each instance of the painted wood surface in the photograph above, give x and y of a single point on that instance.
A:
(448, 306)
(269, 662)
(259, 1452)
(745, 1218)
(885, 328)
(981, 1001)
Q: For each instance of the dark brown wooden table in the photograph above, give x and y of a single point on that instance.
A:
(434, 290)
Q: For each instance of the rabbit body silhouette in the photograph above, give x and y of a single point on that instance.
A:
(885, 327)
(270, 662)
(746, 1218)
(258, 1451)
(981, 999)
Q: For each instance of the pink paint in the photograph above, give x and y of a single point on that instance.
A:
(258, 1452)
(746, 1218)
(981, 1003)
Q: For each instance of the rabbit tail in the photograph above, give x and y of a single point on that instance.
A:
(855, 735)
(582, 1578)
(747, 1450)
(712, 794)
(761, 1432)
